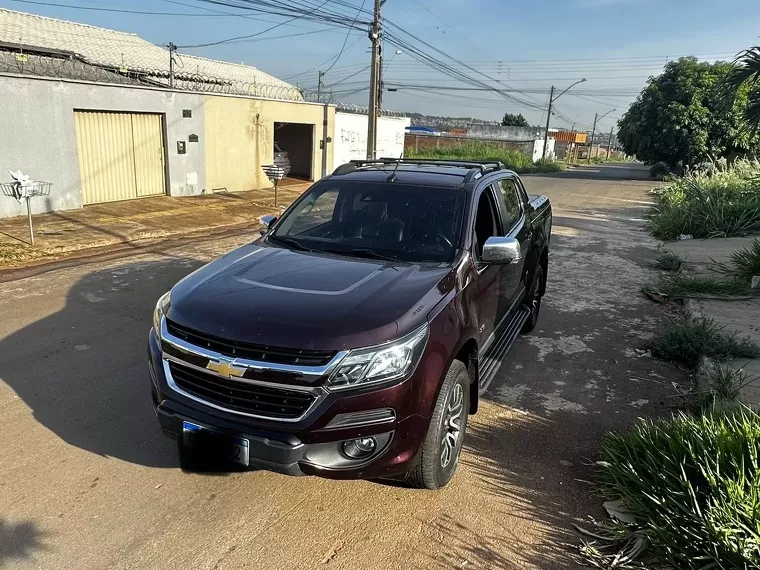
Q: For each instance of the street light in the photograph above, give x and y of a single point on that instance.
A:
(552, 99)
(383, 71)
(593, 131)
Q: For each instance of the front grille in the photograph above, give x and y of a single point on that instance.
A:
(241, 396)
(250, 351)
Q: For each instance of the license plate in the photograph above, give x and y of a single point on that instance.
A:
(235, 449)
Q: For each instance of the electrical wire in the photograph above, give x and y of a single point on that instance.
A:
(116, 10)
(230, 40)
(348, 33)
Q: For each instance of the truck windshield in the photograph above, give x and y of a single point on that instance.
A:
(377, 220)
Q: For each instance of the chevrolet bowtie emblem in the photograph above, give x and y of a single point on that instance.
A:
(226, 368)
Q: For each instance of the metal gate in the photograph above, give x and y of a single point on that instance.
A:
(121, 155)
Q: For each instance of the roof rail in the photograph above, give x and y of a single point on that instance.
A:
(475, 167)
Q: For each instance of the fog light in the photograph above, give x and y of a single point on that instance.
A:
(359, 448)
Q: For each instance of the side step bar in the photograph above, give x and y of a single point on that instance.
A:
(490, 362)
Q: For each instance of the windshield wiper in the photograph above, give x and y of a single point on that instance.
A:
(289, 241)
(362, 252)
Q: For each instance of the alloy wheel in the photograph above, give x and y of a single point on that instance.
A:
(452, 426)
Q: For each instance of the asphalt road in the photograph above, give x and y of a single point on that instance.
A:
(87, 480)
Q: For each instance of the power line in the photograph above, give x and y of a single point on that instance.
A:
(348, 33)
(316, 67)
(119, 10)
(234, 39)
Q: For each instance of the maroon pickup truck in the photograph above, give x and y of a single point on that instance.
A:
(355, 337)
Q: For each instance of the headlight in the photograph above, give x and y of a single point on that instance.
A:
(161, 307)
(380, 363)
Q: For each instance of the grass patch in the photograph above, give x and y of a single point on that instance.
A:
(14, 253)
(718, 203)
(685, 342)
(692, 484)
(746, 262)
(680, 286)
(512, 159)
(668, 261)
(721, 389)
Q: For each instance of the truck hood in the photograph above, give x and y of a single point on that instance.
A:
(292, 299)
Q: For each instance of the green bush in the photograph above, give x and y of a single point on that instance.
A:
(718, 203)
(693, 486)
(721, 388)
(685, 342)
(659, 170)
(512, 159)
(746, 262)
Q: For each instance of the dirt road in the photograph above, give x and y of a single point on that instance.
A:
(87, 480)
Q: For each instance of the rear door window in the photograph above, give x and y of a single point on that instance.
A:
(512, 203)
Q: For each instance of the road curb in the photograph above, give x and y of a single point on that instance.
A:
(117, 251)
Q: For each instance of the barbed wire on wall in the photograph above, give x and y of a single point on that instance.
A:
(62, 68)
(364, 110)
(24, 63)
(70, 67)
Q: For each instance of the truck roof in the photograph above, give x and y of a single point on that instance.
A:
(438, 173)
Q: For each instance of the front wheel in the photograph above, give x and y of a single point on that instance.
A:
(533, 300)
(439, 458)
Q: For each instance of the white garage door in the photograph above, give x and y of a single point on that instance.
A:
(121, 155)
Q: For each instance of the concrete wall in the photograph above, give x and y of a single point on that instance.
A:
(38, 136)
(496, 132)
(538, 149)
(240, 138)
(351, 137)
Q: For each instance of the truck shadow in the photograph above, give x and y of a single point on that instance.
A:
(83, 370)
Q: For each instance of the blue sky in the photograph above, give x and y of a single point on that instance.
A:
(529, 46)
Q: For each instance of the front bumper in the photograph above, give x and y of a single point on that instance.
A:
(307, 446)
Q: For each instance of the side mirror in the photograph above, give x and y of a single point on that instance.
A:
(267, 221)
(501, 250)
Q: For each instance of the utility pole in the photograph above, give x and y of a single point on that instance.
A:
(172, 49)
(548, 118)
(319, 86)
(609, 144)
(569, 153)
(552, 99)
(375, 33)
(591, 143)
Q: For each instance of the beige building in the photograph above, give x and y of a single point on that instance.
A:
(103, 126)
(240, 136)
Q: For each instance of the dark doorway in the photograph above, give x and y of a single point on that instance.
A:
(297, 139)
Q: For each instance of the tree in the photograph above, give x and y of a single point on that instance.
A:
(680, 117)
(745, 75)
(511, 120)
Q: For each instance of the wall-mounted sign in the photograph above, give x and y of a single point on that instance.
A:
(193, 138)
(187, 114)
(181, 147)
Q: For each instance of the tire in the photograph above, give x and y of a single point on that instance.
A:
(442, 446)
(533, 300)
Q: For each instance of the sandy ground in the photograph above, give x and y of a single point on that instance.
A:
(87, 480)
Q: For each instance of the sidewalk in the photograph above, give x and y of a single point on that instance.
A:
(92, 229)
(741, 316)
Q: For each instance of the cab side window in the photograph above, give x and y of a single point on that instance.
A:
(512, 204)
(486, 221)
